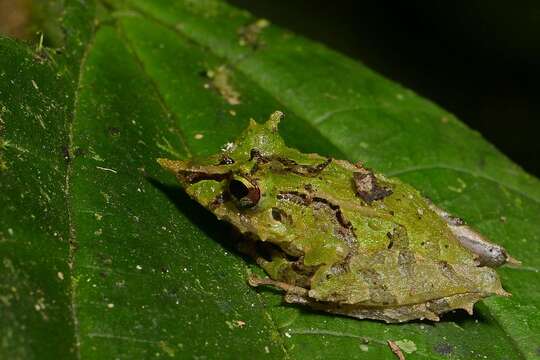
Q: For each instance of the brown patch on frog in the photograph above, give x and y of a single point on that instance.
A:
(288, 164)
(345, 231)
(220, 80)
(398, 238)
(281, 216)
(249, 35)
(192, 177)
(448, 271)
(367, 187)
(309, 188)
(378, 291)
(219, 200)
(439, 306)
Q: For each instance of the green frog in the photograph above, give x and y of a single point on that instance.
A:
(338, 237)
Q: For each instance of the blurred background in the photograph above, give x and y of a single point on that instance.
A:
(479, 59)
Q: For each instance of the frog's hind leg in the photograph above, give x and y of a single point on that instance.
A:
(488, 253)
(288, 288)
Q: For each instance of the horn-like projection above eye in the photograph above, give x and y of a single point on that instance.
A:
(244, 192)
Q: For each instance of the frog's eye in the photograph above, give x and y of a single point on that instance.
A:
(244, 192)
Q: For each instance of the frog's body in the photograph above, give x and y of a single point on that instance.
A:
(336, 236)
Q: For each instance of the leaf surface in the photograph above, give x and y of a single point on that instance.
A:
(104, 254)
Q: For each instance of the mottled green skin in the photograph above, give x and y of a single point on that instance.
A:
(398, 262)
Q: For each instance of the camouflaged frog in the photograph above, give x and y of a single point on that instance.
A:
(337, 237)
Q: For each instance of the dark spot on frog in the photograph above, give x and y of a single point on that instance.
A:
(219, 200)
(259, 158)
(277, 214)
(367, 187)
(444, 349)
(390, 244)
(243, 190)
(193, 177)
(113, 131)
(398, 238)
(226, 160)
(288, 164)
(65, 154)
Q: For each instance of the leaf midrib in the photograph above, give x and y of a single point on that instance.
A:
(72, 238)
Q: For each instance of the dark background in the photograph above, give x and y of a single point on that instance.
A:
(478, 59)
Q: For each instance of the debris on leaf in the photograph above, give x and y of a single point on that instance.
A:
(239, 323)
(249, 34)
(236, 324)
(407, 346)
(220, 80)
(396, 350)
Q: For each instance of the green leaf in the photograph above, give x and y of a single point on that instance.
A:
(103, 256)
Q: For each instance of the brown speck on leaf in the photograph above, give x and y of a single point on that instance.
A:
(249, 35)
(65, 154)
(113, 131)
(396, 350)
(444, 349)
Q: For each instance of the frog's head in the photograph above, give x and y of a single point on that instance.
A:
(230, 173)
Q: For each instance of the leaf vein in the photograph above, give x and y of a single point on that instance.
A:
(155, 87)
(67, 189)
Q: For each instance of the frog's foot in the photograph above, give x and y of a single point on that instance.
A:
(288, 288)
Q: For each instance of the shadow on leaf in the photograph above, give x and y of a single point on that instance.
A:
(219, 231)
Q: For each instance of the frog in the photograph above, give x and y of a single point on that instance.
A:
(336, 236)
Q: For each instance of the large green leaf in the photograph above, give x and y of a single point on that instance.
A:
(104, 257)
